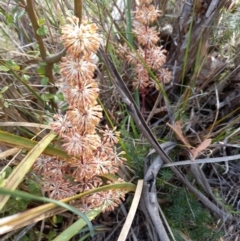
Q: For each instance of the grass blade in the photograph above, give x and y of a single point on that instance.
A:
(8, 193)
(24, 166)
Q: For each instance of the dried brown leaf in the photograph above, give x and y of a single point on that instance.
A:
(196, 151)
(178, 131)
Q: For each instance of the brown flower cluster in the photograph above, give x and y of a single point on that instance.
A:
(148, 52)
(93, 152)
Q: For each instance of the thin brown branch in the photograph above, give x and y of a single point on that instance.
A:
(78, 5)
(33, 18)
(43, 52)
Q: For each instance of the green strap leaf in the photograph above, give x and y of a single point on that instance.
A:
(28, 196)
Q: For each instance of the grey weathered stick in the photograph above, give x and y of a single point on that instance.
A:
(150, 198)
(212, 7)
(150, 203)
(205, 160)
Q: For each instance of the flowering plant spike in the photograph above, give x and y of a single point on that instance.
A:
(148, 52)
(93, 151)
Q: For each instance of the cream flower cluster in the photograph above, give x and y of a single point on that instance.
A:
(148, 51)
(93, 152)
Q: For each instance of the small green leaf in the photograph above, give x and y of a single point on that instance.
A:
(8, 171)
(5, 88)
(41, 70)
(6, 104)
(54, 219)
(41, 21)
(4, 68)
(33, 187)
(47, 97)
(42, 31)
(26, 77)
(44, 80)
(9, 19)
(52, 234)
(12, 65)
(56, 68)
(58, 97)
(15, 67)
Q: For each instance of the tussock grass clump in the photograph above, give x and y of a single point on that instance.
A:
(184, 80)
